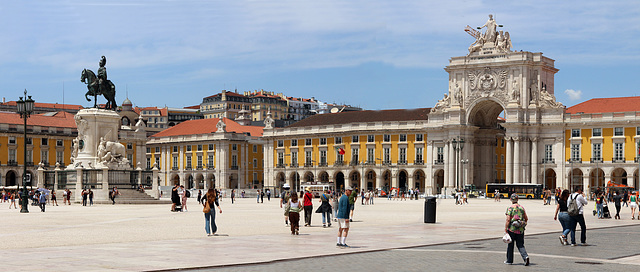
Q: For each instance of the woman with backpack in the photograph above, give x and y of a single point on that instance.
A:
(294, 214)
(562, 216)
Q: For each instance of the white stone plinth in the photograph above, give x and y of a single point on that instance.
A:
(94, 124)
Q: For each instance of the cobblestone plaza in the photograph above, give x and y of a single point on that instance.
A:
(252, 235)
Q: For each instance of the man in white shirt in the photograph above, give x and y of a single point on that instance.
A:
(578, 219)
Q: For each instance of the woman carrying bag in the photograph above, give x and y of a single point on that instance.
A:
(514, 226)
(210, 202)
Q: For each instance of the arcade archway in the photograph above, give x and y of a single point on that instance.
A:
(487, 116)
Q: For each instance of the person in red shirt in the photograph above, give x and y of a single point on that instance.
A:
(308, 207)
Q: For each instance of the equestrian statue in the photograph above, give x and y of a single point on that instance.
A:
(100, 85)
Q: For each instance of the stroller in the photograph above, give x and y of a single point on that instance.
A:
(178, 208)
(605, 211)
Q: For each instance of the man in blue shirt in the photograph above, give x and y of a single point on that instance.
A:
(343, 218)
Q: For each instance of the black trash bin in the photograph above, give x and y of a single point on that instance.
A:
(430, 209)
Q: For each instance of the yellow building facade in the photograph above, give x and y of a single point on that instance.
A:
(208, 153)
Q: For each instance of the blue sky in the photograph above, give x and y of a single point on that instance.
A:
(372, 54)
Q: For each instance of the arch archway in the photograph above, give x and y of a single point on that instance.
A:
(550, 179)
(308, 177)
(190, 182)
(233, 181)
(175, 180)
(596, 179)
(402, 180)
(419, 180)
(575, 179)
(294, 181)
(386, 179)
(324, 177)
(280, 179)
(370, 178)
(619, 175)
(199, 181)
(339, 177)
(10, 178)
(354, 180)
(635, 179)
(211, 180)
(439, 181)
(487, 114)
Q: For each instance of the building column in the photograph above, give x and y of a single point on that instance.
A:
(534, 160)
(517, 168)
(509, 164)
(451, 163)
(445, 166)
(468, 168)
(410, 182)
(428, 179)
(394, 178)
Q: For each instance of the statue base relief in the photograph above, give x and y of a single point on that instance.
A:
(97, 146)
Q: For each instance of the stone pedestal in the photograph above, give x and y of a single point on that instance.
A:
(94, 125)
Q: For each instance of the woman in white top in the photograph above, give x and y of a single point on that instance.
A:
(294, 214)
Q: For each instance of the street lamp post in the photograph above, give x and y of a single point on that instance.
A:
(465, 176)
(458, 145)
(25, 108)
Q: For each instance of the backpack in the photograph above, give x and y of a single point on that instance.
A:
(187, 193)
(573, 209)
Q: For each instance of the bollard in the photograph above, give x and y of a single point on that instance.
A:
(430, 209)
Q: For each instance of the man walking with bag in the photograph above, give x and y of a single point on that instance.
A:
(575, 210)
(343, 218)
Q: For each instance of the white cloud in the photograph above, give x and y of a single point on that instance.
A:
(573, 94)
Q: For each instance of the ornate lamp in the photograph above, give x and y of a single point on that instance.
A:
(25, 108)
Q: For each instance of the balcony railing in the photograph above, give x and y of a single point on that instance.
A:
(174, 168)
(280, 165)
(418, 162)
(575, 161)
(338, 163)
(294, 165)
(438, 162)
(353, 163)
(619, 160)
(323, 164)
(211, 167)
(370, 163)
(308, 164)
(188, 167)
(386, 163)
(199, 167)
(636, 159)
(403, 162)
(234, 167)
(552, 160)
(594, 160)
(29, 163)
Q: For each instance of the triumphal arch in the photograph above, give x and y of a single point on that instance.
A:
(498, 99)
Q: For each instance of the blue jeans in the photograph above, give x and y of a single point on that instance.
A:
(326, 217)
(565, 222)
(575, 220)
(599, 209)
(518, 239)
(210, 222)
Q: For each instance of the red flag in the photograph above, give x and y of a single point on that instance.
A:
(341, 151)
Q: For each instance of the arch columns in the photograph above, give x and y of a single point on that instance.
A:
(509, 164)
(534, 160)
(516, 160)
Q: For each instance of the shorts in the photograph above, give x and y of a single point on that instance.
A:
(352, 206)
(633, 205)
(343, 223)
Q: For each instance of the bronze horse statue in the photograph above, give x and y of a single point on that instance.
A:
(95, 89)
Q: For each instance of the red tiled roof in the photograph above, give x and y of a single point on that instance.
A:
(601, 105)
(48, 105)
(196, 107)
(363, 117)
(206, 126)
(60, 119)
(227, 94)
(163, 111)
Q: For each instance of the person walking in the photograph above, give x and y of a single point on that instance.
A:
(616, 201)
(262, 196)
(64, 197)
(294, 214)
(578, 198)
(633, 204)
(514, 226)
(183, 197)
(284, 200)
(90, 197)
(233, 196)
(113, 195)
(343, 218)
(600, 201)
(325, 209)
(562, 216)
(199, 199)
(43, 201)
(68, 196)
(257, 196)
(334, 204)
(268, 195)
(12, 197)
(53, 198)
(210, 200)
(308, 207)
(353, 195)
